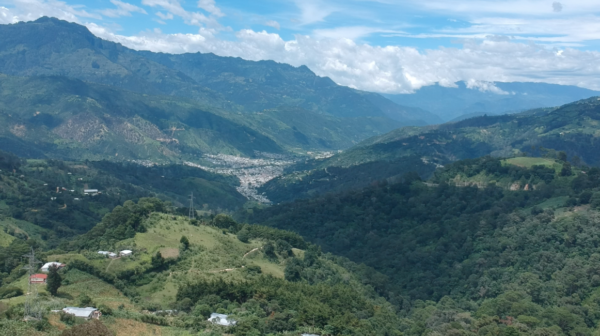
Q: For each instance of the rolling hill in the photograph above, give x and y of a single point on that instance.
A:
(509, 243)
(572, 128)
(269, 282)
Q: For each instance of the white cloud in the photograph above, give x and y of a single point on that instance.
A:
(123, 9)
(28, 10)
(352, 33)
(332, 52)
(191, 18)
(312, 11)
(393, 69)
(209, 6)
(274, 24)
(163, 16)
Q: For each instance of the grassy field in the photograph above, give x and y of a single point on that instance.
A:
(528, 162)
(212, 254)
(5, 239)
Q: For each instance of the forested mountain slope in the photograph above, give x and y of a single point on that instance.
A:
(572, 128)
(52, 47)
(45, 198)
(65, 118)
(519, 248)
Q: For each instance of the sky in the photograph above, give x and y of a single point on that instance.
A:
(389, 46)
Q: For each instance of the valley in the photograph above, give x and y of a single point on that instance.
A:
(454, 208)
(252, 173)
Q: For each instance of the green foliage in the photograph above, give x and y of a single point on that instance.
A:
(10, 291)
(85, 301)
(90, 328)
(269, 305)
(244, 235)
(318, 181)
(508, 271)
(54, 280)
(123, 222)
(568, 129)
(185, 243)
(158, 262)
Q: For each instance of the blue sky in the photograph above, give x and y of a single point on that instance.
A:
(377, 45)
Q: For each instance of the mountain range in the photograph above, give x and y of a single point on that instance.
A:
(492, 98)
(572, 128)
(289, 107)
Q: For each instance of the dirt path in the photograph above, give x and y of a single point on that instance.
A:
(256, 249)
(110, 263)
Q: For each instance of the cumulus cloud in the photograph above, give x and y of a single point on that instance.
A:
(274, 24)
(392, 69)
(123, 9)
(489, 58)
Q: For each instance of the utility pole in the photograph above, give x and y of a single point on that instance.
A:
(33, 310)
(192, 213)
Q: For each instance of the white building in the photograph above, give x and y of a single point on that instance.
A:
(112, 255)
(221, 319)
(46, 267)
(105, 253)
(125, 253)
(86, 313)
(90, 191)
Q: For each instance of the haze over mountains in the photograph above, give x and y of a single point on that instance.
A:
(230, 105)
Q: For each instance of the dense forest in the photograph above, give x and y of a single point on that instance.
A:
(49, 193)
(525, 256)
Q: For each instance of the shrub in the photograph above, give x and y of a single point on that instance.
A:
(9, 292)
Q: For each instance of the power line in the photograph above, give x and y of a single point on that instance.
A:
(33, 310)
(192, 212)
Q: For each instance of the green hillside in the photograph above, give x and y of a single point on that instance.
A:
(489, 240)
(32, 207)
(572, 128)
(268, 280)
(64, 118)
(542, 133)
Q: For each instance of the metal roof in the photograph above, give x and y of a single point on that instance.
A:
(221, 319)
(80, 312)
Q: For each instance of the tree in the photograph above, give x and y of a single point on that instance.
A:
(244, 235)
(158, 261)
(54, 280)
(566, 169)
(185, 243)
(562, 156)
(269, 251)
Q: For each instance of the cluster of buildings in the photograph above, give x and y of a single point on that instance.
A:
(252, 173)
(112, 255)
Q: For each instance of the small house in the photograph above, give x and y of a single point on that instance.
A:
(38, 278)
(125, 253)
(90, 191)
(112, 255)
(85, 313)
(46, 267)
(221, 319)
(104, 253)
